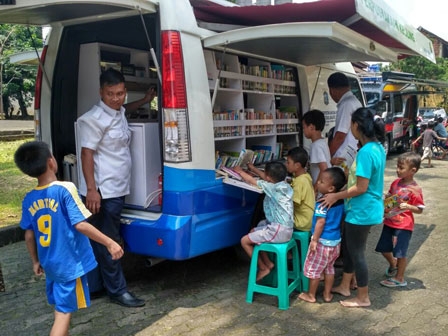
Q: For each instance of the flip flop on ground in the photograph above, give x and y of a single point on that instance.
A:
(391, 271)
(392, 283)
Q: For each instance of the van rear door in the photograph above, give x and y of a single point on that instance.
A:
(46, 12)
(304, 43)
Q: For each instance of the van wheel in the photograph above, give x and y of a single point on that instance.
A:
(386, 145)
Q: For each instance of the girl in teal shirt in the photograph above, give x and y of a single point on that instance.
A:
(364, 205)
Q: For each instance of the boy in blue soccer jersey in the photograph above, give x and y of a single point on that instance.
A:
(325, 242)
(56, 235)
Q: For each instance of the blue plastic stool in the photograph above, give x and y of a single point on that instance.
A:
(303, 237)
(287, 280)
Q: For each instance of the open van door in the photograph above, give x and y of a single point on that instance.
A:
(303, 43)
(38, 12)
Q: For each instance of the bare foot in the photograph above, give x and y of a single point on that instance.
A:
(353, 283)
(341, 291)
(355, 303)
(328, 298)
(270, 266)
(307, 297)
(262, 273)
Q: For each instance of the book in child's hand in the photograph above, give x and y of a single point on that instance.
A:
(232, 173)
(392, 205)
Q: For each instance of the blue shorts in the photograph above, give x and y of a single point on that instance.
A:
(70, 296)
(395, 241)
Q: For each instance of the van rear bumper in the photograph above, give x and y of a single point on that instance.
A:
(184, 237)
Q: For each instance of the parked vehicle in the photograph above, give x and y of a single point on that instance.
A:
(400, 93)
(427, 114)
(219, 92)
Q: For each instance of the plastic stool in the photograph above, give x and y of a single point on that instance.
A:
(303, 237)
(283, 288)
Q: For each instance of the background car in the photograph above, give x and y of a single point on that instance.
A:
(431, 114)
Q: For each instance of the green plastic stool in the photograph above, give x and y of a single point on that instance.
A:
(303, 237)
(287, 280)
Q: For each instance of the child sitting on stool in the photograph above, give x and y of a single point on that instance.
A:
(325, 242)
(278, 208)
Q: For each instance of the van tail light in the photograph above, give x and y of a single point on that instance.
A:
(37, 95)
(160, 186)
(176, 135)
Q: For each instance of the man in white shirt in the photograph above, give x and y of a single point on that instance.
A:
(343, 146)
(106, 166)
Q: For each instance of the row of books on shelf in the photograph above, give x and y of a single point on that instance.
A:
(274, 71)
(258, 154)
(251, 114)
(232, 131)
(241, 114)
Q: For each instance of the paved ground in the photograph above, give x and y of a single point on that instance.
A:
(206, 295)
(16, 129)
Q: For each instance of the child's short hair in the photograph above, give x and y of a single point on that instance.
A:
(31, 158)
(414, 160)
(316, 118)
(276, 171)
(431, 124)
(338, 177)
(298, 154)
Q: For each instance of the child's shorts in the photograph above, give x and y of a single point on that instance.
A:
(322, 260)
(427, 153)
(395, 241)
(270, 233)
(69, 296)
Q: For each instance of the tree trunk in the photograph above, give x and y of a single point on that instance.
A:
(22, 104)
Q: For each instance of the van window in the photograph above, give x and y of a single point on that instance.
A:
(356, 89)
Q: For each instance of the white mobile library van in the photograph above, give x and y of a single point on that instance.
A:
(220, 91)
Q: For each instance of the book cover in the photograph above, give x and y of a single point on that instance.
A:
(392, 205)
(231, 173)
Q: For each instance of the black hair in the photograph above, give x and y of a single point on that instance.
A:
(298, 154)
(431, 124)
(276, 171)
(372, 128)
(316, 118)
(338, 177)
(338, 80)
(111, 77)
(412, 159)
(31, 158)
(440, 119)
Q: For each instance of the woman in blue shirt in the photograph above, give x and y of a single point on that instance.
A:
(364, 205)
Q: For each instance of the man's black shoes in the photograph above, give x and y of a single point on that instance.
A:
(127, 300)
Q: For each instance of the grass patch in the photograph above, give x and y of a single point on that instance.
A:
(13, 184)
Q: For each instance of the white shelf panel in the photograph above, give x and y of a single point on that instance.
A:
(229, 138)
(225, 123)
(234, 75)
(288, 133)
(286, 121)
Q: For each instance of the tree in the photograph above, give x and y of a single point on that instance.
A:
(422, 68)
(17, 81)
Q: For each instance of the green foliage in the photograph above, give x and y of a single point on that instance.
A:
(13, 184)
(18, 81)
(422, 68)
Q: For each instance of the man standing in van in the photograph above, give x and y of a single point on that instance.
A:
(106, 166)
(343, 145)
